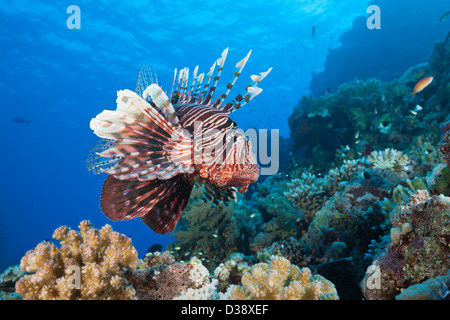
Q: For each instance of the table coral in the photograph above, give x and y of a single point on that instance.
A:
(281, 280)
(418, 248)
(88, 265)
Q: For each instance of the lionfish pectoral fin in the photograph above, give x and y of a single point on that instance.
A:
(147, 76)
(219, 195)
(95, 162)
(159, 203)
(144, 144)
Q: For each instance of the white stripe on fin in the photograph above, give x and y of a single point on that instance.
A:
(161, 100)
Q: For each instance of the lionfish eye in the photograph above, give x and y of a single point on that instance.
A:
(234, 125)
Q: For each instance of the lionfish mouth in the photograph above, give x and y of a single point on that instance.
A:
(244, 178)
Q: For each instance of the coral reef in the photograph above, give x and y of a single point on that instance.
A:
(362, 210)
(432, 289)
(309, 192)
(418, 247)
(362, 116)
(444, 149)
(213, 232)
(279, 279)
(8, 281)
(88, 265)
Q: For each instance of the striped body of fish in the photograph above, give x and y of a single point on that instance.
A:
(154, 148)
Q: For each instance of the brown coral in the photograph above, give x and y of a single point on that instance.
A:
(88, 265)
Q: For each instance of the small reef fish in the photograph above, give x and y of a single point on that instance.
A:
(21, 120)
(420, 74)
(416, 109)
(154, 147)
(422, 84)
(444, 16)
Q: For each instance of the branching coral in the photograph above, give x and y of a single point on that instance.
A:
(402, 193)
(88, 265)
(418, 248)
(389, 159)
(279, 279)
(310, 192)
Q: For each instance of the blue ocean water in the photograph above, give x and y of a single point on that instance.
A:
(59, 78)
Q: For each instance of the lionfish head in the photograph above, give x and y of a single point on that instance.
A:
(239, 167)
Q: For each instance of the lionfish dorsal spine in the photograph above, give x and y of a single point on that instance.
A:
(202, 94)
(239, 67)
(197, 89)
(190, 93)
(251, 91)
(184, 77)
(220, 62)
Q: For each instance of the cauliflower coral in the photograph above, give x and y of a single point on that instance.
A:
(88, 265)
(280, 280)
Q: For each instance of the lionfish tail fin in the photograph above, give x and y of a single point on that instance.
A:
(141, 143)
(159, 203)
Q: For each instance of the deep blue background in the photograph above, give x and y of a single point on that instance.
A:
(60, 79)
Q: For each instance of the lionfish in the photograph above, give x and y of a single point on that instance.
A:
(155, 148)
